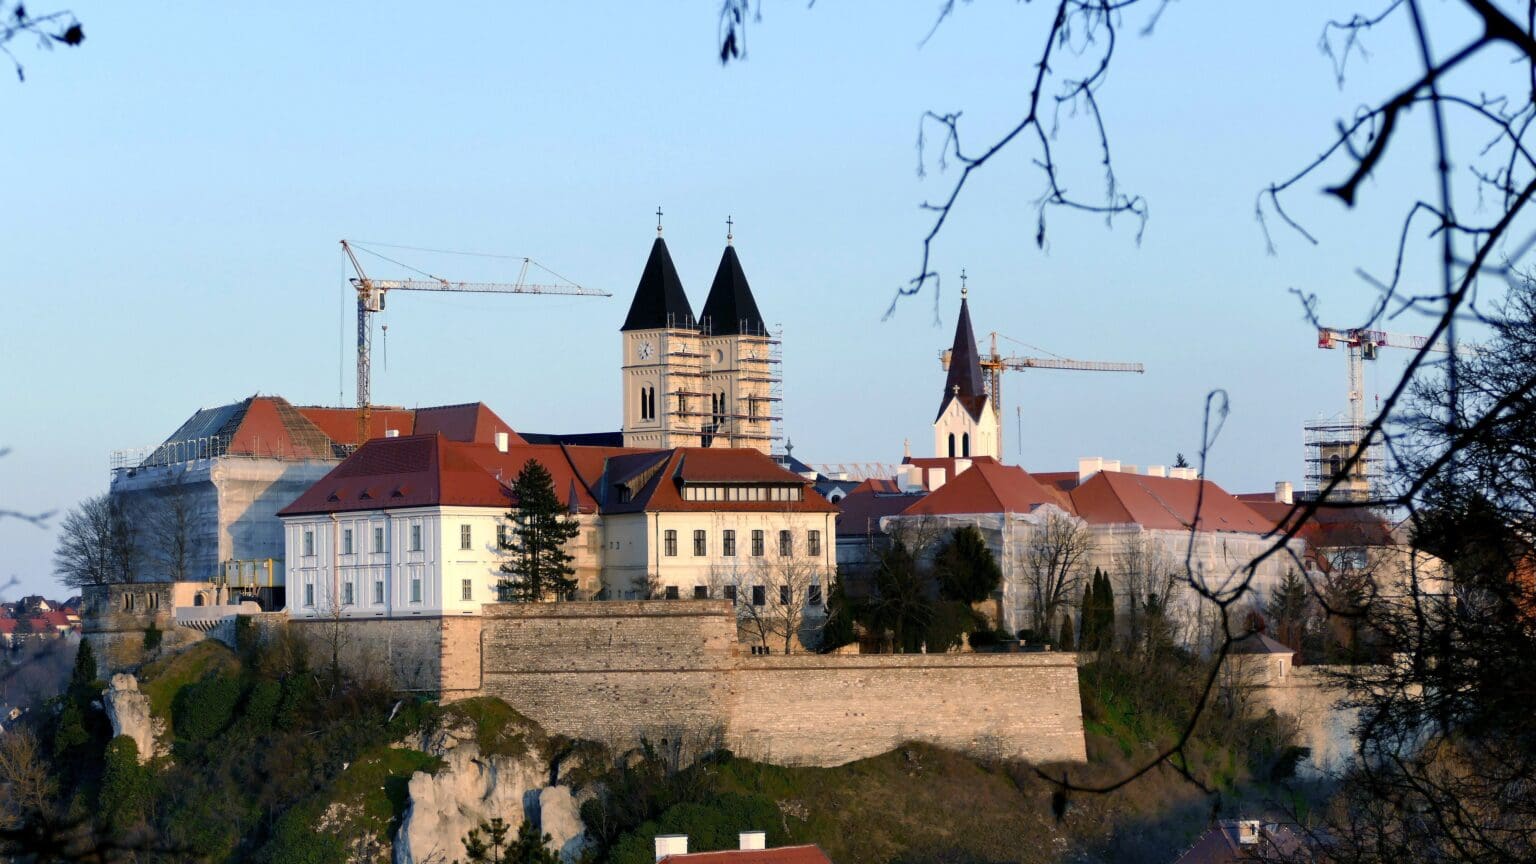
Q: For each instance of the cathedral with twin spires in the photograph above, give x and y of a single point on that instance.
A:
(706, 381)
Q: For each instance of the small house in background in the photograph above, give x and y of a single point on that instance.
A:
(751, 850)
(1233, 840)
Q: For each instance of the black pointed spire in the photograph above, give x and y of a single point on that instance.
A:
(659, 298)
(730, 309)
(964, 362)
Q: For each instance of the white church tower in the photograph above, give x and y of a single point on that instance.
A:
(967, 425)
(739, 362)
(665, 402)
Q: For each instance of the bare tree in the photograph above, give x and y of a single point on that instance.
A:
(168, 518)
(779, 599)
(27, 780)
(1145, 574)
(1055, 554)
(98, 544)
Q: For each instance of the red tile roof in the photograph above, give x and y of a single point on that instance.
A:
(390, 473)
(340, 424)
(867, 503)
(780, 855)
(1115, 497)
(470, 422)
(988, 487)
(430, 470)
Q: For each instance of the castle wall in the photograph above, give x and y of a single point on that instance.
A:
(617, 671)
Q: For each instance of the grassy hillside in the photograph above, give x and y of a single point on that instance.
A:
(273, 761)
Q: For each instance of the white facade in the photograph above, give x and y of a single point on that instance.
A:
(425, 561)
(957, 434)
(659, 552)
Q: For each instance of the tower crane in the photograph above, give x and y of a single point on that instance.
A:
(1363, 345)
(370, 299)
(994, 364)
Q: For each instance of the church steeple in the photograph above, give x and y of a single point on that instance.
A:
(964, 377)
(967, 424)
(659, 298)
(730, 309)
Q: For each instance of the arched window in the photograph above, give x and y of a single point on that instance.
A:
(643, 413)
(951, 445)
(1335, 464)
(652, 403)
(965, 445)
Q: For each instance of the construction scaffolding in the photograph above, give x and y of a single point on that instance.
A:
(1329, 446)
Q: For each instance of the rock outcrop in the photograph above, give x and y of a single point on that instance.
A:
(560, 818)
(128, 709)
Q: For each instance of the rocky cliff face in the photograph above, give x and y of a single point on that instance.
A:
(128, 709)
(471, 788)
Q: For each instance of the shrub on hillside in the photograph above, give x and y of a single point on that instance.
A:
(712, 825)
(125, 793)
(202, 710)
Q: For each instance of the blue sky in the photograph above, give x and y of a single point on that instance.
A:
(175, 189)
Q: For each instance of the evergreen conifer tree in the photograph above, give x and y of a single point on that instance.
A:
(1104, 596)
(1085, 613)
(1064, 641)
(537, 568)
(966, 568)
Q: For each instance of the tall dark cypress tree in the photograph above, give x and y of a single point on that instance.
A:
(1086, 613)
(1105, 629)
(538, 568)
(1064, 641)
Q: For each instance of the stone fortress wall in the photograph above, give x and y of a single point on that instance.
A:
(616, 671)
(669, 671)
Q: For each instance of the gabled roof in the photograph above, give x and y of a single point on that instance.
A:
(655, 481)
(260, 426)
(964, 379)
(807, 854)
(472, 421)
(413, 471)
(1164, 503)
(730, 309)
(988, 487)
(340, 424)
(860, 511)
(660, 301)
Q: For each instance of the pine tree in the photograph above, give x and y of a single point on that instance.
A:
(1064, 641)
(1104, 596)
(538, 567)
(966, 568)
(1085, 613)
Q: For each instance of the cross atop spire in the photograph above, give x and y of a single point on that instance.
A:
(658, 220)
(728, 225)
(962, 281)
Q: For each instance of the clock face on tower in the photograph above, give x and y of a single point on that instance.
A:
(644, 349)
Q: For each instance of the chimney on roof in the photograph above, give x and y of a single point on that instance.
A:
(391, 433)
(936, 479)
(753, 840)
(1129, 469)
(1248, 832)
(501, 441)
(1110, 465)
(961, 465)
(1182, 473)
(911, 478)
(1088, 466)
(1157, 471)
(1284, 492)
(671, 844)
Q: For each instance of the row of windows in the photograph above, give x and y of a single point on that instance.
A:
(349, 598)
(728, 543)
(743, 493)
(759, 594)
(349, 548)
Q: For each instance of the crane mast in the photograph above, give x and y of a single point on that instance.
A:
(370, 300)
(1363, 345)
